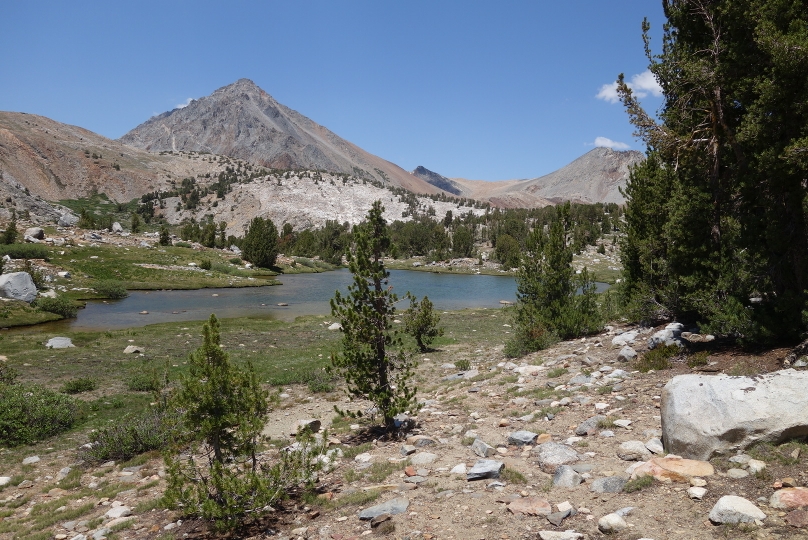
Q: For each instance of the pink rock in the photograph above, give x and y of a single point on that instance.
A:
(789, 498)
(531, 506)
(670, 469)
(797, 518)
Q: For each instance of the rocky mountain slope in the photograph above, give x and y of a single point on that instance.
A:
(594, 177)
(439, 181)
(44, 160)
(243, 121)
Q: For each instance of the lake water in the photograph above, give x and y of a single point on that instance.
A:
(305, 294)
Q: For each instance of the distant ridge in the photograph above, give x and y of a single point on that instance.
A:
(440, 182)
(243, 121)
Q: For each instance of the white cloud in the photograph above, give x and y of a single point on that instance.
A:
(608, 143)
(183, 105)
(641, 84)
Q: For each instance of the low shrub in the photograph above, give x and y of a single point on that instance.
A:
(657, 359)
(698, 359)
(235, 260)
(182, 244)
(464, 364)
(143, 382)
(639, 483)
(154, 429)
(111, 288)
(7, 374)
(24, 251)
(29, 413)
(320, 382)
(77, 386)
(59, 305)
(206, 264)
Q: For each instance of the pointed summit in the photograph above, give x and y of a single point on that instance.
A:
(243, 121)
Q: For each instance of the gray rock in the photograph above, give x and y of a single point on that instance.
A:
(626, 354)
(35, 232)
(30, 460)
(311, 425)
(556, 518)
(5, 480)
(611, 523)
(335, 326)
(131, 349)
(697, 493)
(708, 415)
(553, 455)
(68, 220)
(737, 474)
(733, 509)
(668, 336)
(118, 512)
(423, 458)
(565, 476)
(482, 449)
(408, 449)
(580, 379)
(654, 446)
(395, 506)
(18, 286)
(101, 533)
(608, 484)
(589, 425)
(626, 338)
(485, 468)
(59, 343)
(522, 438)
(633, 451)
(116, 227)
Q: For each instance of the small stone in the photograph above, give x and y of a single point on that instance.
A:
(504, 422)
(118, 512)
(737, 473)
(609, 484)
(419, 441)
(485, 468)
(797, 518)
(633, 451)
(130, 349)
(622, 423)
(788, 482)
(30, 460)
(789, 498)
(696, 493)
(423, 458)
(544, 438)
(482, 449)
(655, 446)
(553, 455)
(560, 535)
(391, 507)
(698, 482)
(589, 426)
(378, 520)
(531, 506)
(755, 466)
(4, 480)
(734, 509)
(565, 476)
(407, 450)
(611, 523)
(522, 438)
(459, 469)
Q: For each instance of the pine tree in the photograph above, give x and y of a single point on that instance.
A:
(221, 476)
(260, 244)
(730, 153)
(372, 361)
(552, 301)
(11, 232)
(421, 322)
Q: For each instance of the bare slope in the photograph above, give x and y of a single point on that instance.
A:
(242, 121)
(597, 176)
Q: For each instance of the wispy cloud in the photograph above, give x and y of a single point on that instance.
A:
(641, 84)
(183, 105)
(608, 143)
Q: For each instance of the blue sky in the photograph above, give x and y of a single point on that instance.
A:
(476, 89)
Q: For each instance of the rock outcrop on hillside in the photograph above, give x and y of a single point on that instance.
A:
(243, 121)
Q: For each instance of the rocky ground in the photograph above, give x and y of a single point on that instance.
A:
(564, 428)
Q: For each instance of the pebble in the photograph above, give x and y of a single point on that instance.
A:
(737, 473)
(696, 493)
(609, 484)
(633, 451)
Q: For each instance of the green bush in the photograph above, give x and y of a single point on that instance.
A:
(111, 288)
(154, 429)
(320, 382)
(7, 374)
(77, 386)
(698, 359)
(235, 260)
(143, 382)
(657, 359)
(182, 244)
(24, 251)
(206, 264)
(463, 364)
(29, 413)
(59, 305)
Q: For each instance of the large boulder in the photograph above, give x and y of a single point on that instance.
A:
(18, 286)
(68, 220)
(708, 415)
(37, 233)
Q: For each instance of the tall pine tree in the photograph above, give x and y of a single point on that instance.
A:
(727, 169)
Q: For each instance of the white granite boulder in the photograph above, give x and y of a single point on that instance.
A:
(708, 415)
(18, 286)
